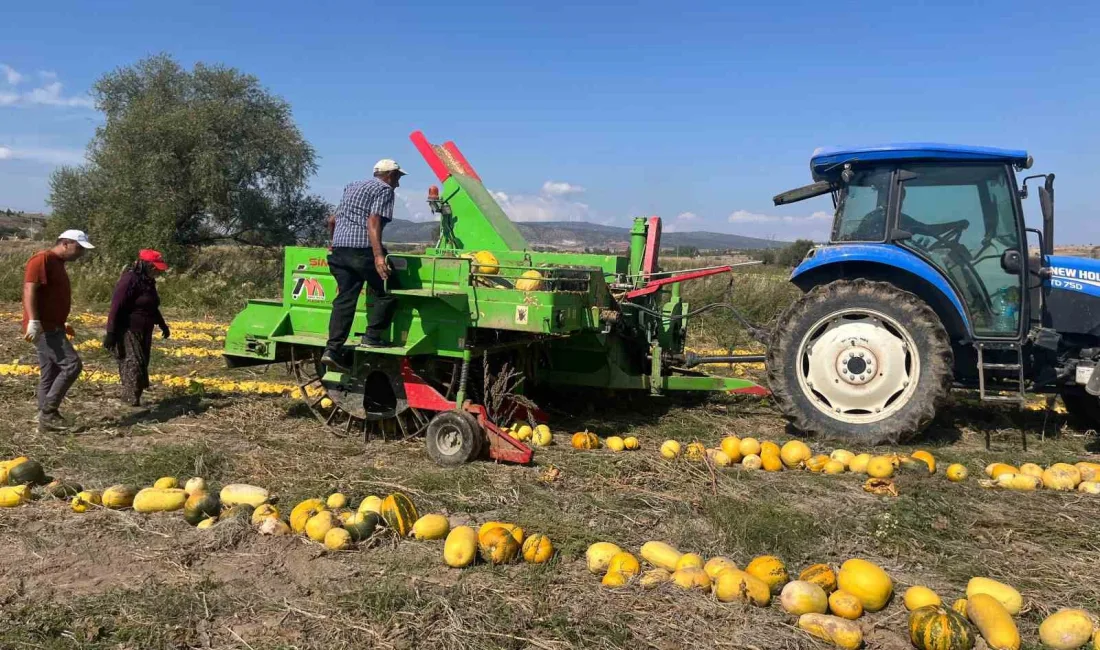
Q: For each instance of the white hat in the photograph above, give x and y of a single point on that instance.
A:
(78, 236)
(387, 165)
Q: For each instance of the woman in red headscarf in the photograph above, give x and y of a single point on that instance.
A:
(135, 310)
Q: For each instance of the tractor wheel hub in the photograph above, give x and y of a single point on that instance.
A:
(857, 364)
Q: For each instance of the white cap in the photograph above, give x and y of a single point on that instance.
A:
(387, 165)
(78, 236)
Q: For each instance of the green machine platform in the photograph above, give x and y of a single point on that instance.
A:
(481, 318)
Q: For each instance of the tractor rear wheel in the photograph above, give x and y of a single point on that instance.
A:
(453, 438)
(860, 360)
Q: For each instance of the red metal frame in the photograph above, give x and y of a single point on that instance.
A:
(758, 391)
(652, 247)
(421, 395)
(467, 168)
(650, 287)
(427, 151)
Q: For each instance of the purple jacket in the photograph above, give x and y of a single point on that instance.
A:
(135, 305)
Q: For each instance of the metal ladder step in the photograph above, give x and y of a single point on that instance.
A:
(1020, 396)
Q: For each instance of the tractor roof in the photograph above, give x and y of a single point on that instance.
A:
(827, 161)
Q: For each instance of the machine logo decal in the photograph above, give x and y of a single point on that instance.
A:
(521, 314)
(311, 287)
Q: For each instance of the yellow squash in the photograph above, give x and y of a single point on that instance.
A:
(749, 447)
(625, 563)
(661, 555)
(118, 497)
(319, 525)
(880, 467)
(956, 473)
(858, 464)
(1005, 594)
(752, 461)
(431, 527)
(166, 482)
(867, 582)
(841, 632)
(770, 570)
(263, 512)
(14, 495)
(670, 449)
(337, 539)
(689, 560)
(845, 605)
(460, 548)
(691, 578)
(993, 622)
(242, 493)
(537, 549)
(1066, 629)
(736, 585)
(370, 504)
(800, 597)
(793, 453)
(159, 499)
(1061, 476)
(598, 556)
(86, 499)
(303, 512)
(917, 596)
(336, 500)
(821, 575)
(716, 565)
(498, 546)
(732, 446)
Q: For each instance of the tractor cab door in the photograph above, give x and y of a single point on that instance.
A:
(962, 219)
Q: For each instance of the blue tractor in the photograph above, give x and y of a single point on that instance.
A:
(928, 282)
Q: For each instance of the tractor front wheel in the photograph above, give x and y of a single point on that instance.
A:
(859, 360)
(453, 438)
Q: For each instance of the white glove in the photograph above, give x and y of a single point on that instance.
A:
(34, 330)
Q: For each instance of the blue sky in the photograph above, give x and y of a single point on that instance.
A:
(696, 111)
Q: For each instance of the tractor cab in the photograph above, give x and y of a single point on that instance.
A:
(954, 212)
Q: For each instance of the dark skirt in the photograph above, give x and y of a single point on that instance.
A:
(132, 353)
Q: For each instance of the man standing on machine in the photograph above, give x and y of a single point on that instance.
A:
(358, 257)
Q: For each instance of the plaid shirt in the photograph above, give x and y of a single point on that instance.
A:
(361, 199)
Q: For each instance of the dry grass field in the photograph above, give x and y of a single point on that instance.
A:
(123, 580)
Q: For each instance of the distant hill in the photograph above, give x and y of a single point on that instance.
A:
(21, 224)
(580, 234)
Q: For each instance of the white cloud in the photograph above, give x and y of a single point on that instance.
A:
(559, 188)
(815, 226)
(686, 216)
(11, 75)
(43, 155)
(50, 93)
(744, 216)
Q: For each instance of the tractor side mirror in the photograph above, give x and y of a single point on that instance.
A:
(1012, 262)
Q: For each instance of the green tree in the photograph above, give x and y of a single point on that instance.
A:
(186, 158)
(794, 252)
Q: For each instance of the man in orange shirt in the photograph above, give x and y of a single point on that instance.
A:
(47, 299)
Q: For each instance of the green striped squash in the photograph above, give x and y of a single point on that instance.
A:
(939, 628)
(400, 513)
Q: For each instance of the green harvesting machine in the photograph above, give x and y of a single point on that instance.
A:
(481, 320)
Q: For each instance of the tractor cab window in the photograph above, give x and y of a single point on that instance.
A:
(861, 210)
(962, 218)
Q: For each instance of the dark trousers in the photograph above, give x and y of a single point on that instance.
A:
(352, 268)
(59, 366)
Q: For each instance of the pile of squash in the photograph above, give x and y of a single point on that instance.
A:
(495, 542)
(539, 435)
(828, 603)
(1083, 477)
(20, 476)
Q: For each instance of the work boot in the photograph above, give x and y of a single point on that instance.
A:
(375, 342)
(51, 421)
(335, 361)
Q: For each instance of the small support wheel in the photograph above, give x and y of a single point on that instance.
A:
(453, 438)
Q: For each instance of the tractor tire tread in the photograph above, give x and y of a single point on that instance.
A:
(936, 362)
